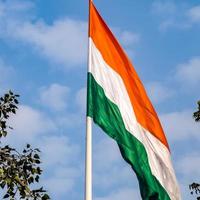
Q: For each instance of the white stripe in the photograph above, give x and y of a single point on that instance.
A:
(158, 154)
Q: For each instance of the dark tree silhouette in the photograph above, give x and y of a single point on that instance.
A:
(196, 114)
(19, 171)
(195, 187)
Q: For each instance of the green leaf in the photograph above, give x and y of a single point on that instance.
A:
(37, 161)
(10, 92)
(30, 180)
(3, 184)
(45, 197)
(6, 196)
(16, 101)
(4, 133)
(36, 156)
(37, 178)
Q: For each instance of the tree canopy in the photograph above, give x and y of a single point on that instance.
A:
(195, 187)
(19, 171)
(196, 114)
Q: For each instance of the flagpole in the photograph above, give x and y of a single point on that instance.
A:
(88, 151)
(88, 162)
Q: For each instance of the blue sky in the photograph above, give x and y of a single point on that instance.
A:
(43, 57)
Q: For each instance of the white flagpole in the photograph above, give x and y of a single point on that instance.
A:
(88, 162)
(88, 153)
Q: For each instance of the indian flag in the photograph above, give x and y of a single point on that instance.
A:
(118, 103)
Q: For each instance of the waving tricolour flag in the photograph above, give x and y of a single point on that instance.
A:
(118, 103)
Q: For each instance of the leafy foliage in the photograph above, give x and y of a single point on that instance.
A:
(196, 114)
(195, 187)
(18, 170)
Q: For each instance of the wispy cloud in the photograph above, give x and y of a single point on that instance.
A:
(177, 15)
(123, 193)
(15, 8)
(56, 149)
(61, 160)
(184, 79)
(14, 13)
(188, 166)
(55, 96)
(81, 99)
(166, 12)
(111, 157)
(108, 162)
(60, 157)
(7, 74)
(180, 126)
(194, 14)
(164, 7)
(127, 38)
(28, 124)
(63, 42)
(158, 92)
(189, 72)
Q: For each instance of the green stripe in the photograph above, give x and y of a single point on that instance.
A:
(107, 115)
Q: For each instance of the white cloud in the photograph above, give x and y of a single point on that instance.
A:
(188, 166)
(14, 7)
(67, 172)
(189, 73)
(112, 155)
(70, 120)
(188, 169)
(64, 42)
(166, 24)
(164, 7)
(55, 96)
(58, 151)
(194, 14)
(159, 92)
(7, 73)
(175, 15)
(180, 125)
(29, 124)
(10, 10)
(81, 98)
(124, 193)
(167, 12)
(110, 170)
(128, 38)
(114, 177)
(4, 70)
(61, 161)
(61, 182)
(58, 186)
(58, 154)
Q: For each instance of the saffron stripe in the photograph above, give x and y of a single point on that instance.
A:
(116, 58)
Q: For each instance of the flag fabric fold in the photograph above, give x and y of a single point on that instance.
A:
(118, 103)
